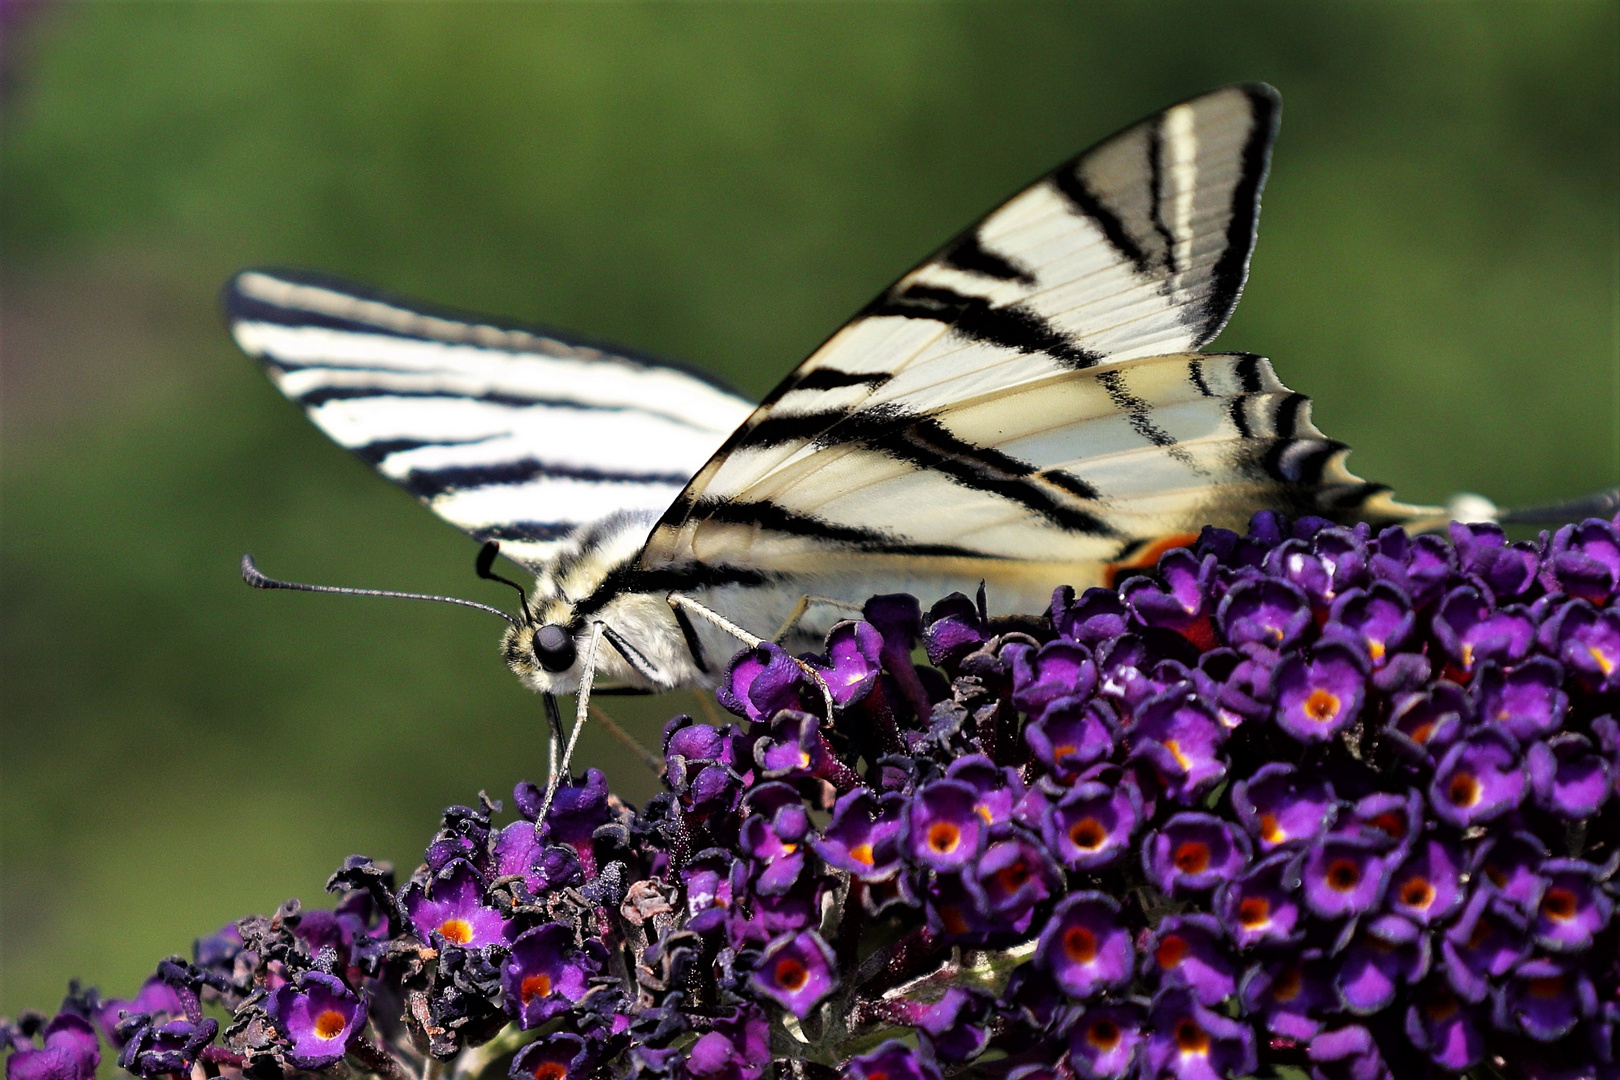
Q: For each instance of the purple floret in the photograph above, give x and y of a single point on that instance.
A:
(452, 908)
(943, 829)
(1545, 998)
(546, 974)
(1180, 739)
(1093, 824)
(762, 681)
(853, 662)
(1190, 951)
(1279, 805)
(319, 1016)
(1085, 947)
(1480, 779)
(1190, 1042)
(797, 971)
(1428, 887)
(1193, 853)
(1261, 906)
(1320, 697)
(1105, 1040)
(863, 837)
(1343, 875)
(892, 1061)
(68, 1050)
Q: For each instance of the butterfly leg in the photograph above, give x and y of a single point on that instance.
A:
(685, 603)
(582, 704)
(806, 602)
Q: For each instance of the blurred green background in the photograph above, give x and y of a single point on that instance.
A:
(723, 183)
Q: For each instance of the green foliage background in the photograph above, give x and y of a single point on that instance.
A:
(718, 182)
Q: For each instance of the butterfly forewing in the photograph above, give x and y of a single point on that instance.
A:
(510, 433)
(1029, 395)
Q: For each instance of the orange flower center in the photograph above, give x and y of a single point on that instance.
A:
(1171, 951)
(1192, 857)
(943, 837)
(1441, 1008)
(1559, 904)
(1322, 706)
(1080, 944)
(458, 931)
(1103, 1034)
(550, 1070)
(1416, 892)
(1343, 875)
(329, 1025)
(1254, 911)
(1375, 648)
(1288, 984)
(1190, 1038)
(1271, 831)
(862, 853)
(1464, 790)
(1390, 823)
(1088, 833)
(1550, 987)
(535, 986)
(1012, 878)
(791, 975)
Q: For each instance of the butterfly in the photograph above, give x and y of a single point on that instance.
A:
(1028, 407)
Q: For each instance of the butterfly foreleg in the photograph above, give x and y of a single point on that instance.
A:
(582, 703)
(681, 602)
(804, 604)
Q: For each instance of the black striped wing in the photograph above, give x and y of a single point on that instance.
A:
(510, 433)
(1032, 392)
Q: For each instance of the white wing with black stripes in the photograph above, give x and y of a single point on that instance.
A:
(1031, 392)
(510, 433)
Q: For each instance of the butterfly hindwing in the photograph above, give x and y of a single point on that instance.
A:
(510, 433)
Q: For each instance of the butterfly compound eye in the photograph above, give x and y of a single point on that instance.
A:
(554, 648)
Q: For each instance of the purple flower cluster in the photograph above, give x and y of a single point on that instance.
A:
(1313, 797)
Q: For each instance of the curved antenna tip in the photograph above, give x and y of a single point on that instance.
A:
(252, 575)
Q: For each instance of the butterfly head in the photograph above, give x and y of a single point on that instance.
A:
(544, 655)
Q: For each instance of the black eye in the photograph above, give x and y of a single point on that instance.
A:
(554, 648)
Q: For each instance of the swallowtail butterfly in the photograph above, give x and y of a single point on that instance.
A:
(1027, 407)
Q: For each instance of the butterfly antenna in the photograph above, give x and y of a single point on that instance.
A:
(251, 575)
(486, 570)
